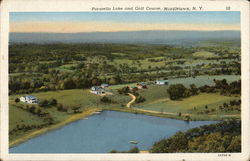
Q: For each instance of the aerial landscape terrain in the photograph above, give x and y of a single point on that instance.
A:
(165, 78)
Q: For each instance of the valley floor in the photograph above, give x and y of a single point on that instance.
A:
(25, 125)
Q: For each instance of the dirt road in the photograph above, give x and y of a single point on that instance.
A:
(132, 101)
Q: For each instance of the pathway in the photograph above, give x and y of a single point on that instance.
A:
(132, 101)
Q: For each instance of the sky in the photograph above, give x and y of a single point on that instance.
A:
(73, 22)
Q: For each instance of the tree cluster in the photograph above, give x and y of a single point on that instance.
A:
(178, 91)
(221, 137)
(223, 87)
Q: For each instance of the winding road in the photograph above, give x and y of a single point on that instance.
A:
(132, 101)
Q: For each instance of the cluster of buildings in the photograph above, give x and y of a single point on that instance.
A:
(143, 85)
(29, 99)
(99, 89)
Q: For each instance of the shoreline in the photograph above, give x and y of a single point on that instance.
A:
(53, 127)
(91, 111)
(174, 115)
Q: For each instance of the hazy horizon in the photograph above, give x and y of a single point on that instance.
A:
(75, 22)
(149, 37)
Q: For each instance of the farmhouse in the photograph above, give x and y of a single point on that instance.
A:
(104, 85)
(161, 82)
(97, 90)
(141, 85)
(29, 99)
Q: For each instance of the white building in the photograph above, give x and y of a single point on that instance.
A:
(97, 90)
(161, 82)
(104, 85)
(29, 99)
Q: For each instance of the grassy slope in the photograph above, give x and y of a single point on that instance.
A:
(187, 104)
(204, 54)
(69, 98)
(19, 116)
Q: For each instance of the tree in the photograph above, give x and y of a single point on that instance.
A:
(52, 102)
(68, 84)
(193, 89)
(176, 91)
(139, 99)
(43, 103)
(105, 99)
(32, 109)
(123, 90)
(134, 150)
(17, 100)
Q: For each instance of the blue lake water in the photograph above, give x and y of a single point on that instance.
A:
(106, 131)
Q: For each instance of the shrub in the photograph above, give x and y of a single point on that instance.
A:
(32, 109)
(52, 102)
(59, 107)
(134, 150)
(43, 103)
(105, 99)
(139, 99)
(123, 90)
(17, 100)
(113, 151)
(176, 91)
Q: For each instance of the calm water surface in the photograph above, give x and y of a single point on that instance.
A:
(105, 132)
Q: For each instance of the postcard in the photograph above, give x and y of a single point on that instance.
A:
(124, 80)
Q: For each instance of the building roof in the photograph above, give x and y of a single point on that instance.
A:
(30, 97)
(162, 80)
(142, 83)
(97, 88)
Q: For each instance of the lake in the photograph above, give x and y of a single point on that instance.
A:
(109, 130)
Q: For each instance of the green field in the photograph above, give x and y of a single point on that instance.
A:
(69, 98)
(187, 105)
(204, 54)
(203, 80)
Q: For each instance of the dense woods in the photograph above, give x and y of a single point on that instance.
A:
(221, 137)
(178, 91)
(43, 67)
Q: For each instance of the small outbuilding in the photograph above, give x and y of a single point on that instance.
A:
(104, 85)
(142, 85)
(161, 82)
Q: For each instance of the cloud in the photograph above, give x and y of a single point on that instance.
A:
(74, 27)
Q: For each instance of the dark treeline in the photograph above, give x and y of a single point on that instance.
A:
(223, 87)
(179, 91)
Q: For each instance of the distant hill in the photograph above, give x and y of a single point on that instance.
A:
(151, 37)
